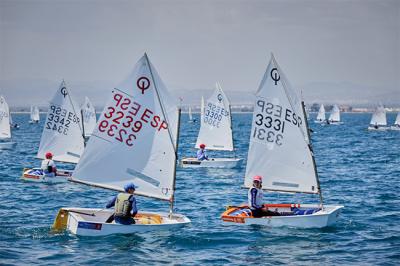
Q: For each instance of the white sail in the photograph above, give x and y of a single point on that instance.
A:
(89, 117)
(379, 117)
(190, 113)
(62, 132)
(5, 130)
(397, 122)
(135, 138)
(321, 113)
(35, 114)
(279, 145)
(215, 130)
(11, 121)
(335, 114)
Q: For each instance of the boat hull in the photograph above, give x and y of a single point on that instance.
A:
(380, 128)
(92, 222)
(7, 145)
(28, 174)
(317, 219)
(395, 127)
(212, 163)
(334, 123)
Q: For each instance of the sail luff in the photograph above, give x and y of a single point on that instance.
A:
(285, 87)
(161, 104)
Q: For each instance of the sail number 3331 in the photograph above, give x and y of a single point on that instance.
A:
(269, 122)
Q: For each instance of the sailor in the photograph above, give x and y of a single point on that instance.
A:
(48, 166)
(255, 199)
(125, 205)
(201, 154)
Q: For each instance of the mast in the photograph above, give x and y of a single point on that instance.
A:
(83, 129)
(233, 139)
(174, 145)
(73, 108)
(171, 206)
(159, 100)
(312, 156)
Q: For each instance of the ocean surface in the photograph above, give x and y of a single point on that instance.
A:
(357, 168)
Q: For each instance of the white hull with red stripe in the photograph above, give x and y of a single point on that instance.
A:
(92, 222)
(319, 219)
(212, 163)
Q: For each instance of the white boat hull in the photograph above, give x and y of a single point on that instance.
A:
(27, 175)
(33, 122)
(334, 123)
(322, 218)
(380, 128)
(395, 127)
(94, 223)
(213, 163)
(7, 145)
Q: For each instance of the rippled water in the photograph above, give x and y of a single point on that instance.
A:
(358, 169)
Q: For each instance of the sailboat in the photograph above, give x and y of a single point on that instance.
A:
(280, 150)
(191, 120)
(378, 120)
(35, 115)
(62, 135)
(5, 131)
(12, 124)
(334, 117)
(215, 132)
(396, 125)
(88, 117)
(135, 140)
(321, 115)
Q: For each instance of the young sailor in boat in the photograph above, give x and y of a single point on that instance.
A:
(48, 166)
(125, 206)
(201, 154)
(255, 199)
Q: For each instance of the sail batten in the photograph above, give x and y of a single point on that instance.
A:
(279, 144)
(62, 133)
(215, 127)
(135, 137)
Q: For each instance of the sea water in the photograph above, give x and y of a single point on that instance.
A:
(359, 169)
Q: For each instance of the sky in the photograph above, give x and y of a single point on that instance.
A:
(345, 52)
